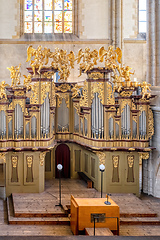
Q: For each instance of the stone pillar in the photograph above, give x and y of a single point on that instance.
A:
(152, 170)
(151, 167)
(115, 22)
(153, 42)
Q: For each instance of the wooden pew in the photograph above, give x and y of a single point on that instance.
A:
(86, 179)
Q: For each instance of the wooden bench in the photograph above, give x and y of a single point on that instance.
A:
(86, 179)
(98, 232)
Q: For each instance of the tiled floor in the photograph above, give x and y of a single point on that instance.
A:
(128, 203)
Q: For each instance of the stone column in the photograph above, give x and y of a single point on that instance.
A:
(115, 22)
(152, 169)
(153, 42)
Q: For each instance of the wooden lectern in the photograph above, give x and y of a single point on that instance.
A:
(84, 210)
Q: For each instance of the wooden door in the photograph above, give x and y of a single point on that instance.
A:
(62, 156)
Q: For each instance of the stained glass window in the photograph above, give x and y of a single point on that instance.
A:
(142, 16)
(48, 16)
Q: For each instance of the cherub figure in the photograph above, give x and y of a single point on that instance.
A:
(71, 58)
(15, 75)
(117, 82)
(63, 73)
(3, 90)
(87, 57)
(39, 57)
(75, 90)
(63, 59)
(55, 58)
(109, 56)
(145, 87)
(27, 80)
(126, 73)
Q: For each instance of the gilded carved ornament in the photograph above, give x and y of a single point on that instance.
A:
(14, 160)
(15, 75)
(102, 157)
(29, 161)
(19, 102)
(150, 122)
(27, 81)
(143, 155)
(34, 114)
(110, 95)
(97, 88)
(63, 88)
(45, 88)
(112, 112)
(113, 149)
(115, 161)
(126, 93)
(48, 74)
(130, 160)
(34, 99)
(95, 75)
(124, 102)
(145, 88)
(53, 95)
(76, 106)
(134, 108)
(19, 93)
(3, 108)
(76, 90)
(131, 149)
(86, 116)
(60, 60)
(3, 157)
(142, 108)
(87, 59)
(60, 96)
(3, 90)
(9, 118)
(84, 97)
(42, 158)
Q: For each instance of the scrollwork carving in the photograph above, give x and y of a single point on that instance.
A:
(42, 158)
(3, 157)
(150, 122)
(29, 161)
(102, 157)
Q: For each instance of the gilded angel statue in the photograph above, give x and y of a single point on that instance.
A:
(110, 57)
(125, 73)
(27, 80)
(3, 90)
(71, 58)
(55, 58)
(89, 59)
(39, 56)
(15, 75)
(63, 73)
(119, 54)
(145, 87)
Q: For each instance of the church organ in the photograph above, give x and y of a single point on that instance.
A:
(107, 116)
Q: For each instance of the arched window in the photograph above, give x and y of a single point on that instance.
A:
(142, 16)
(48, 16)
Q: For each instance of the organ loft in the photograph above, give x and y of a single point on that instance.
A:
(105, 119)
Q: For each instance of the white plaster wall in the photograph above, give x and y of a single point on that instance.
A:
(8, 22)
(95, 20)
(134, 56)
(130, 18)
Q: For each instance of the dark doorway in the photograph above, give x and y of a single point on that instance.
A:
(62, 156)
